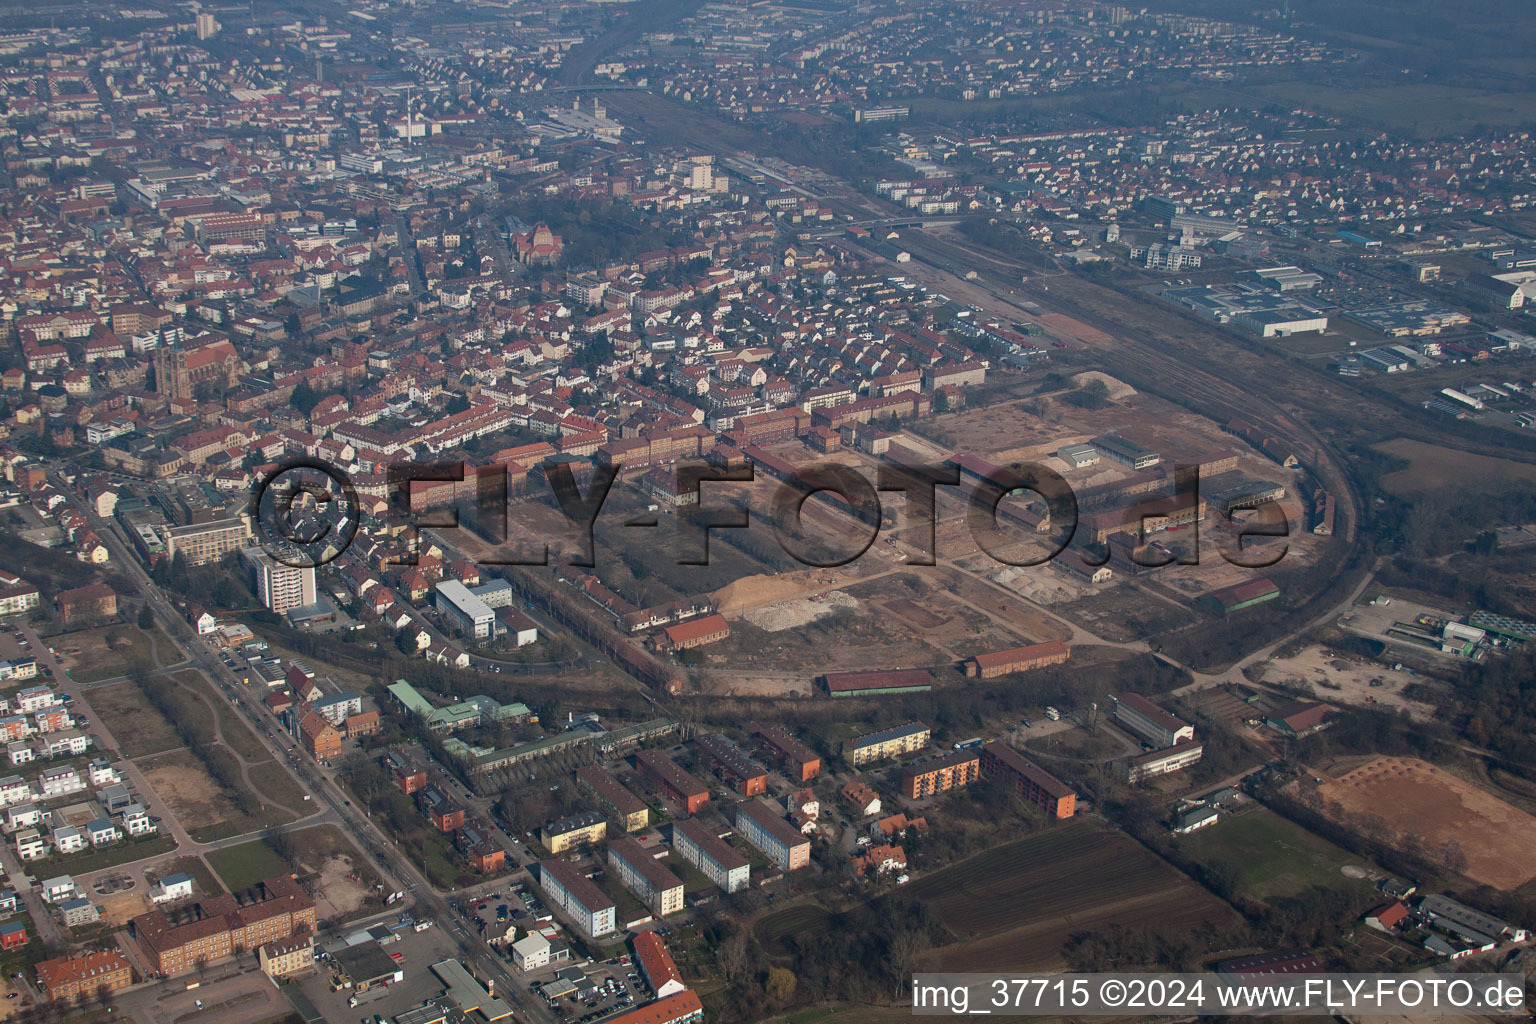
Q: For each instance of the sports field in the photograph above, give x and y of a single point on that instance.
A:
(1431, 808)
(1272, 857)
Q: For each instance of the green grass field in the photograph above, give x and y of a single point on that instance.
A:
(125, 852)
(1273, 857)
(240, 867)
(90, 657)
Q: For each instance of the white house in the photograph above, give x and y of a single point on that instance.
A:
(35, 698)
(530, 952)
(60, 782)
(137, 822)
(101, 773)
(20, 752)
(67, 744)
(14, 790)
(22, 816)
(171, 888)
(68, 839)
(57, 890)
(102, 832)
(30, 845)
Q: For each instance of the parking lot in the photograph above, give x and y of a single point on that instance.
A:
(417, 952)
(610, 987)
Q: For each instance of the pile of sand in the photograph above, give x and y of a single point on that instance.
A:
(1118, 389)
(754, 591)
(798, 612)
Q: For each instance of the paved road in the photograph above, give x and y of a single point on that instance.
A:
(371, 840)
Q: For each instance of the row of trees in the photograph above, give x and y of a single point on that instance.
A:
(170, 699)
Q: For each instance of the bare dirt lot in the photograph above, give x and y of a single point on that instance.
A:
(119, 908)
(1431, 467)
(1335, 677)
(186, 788)
(1414, 797)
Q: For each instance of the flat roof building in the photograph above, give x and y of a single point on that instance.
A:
(1127, 453)
(468, 613)
(468, 994)
(1162, 762)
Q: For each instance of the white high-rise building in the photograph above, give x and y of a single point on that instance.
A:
(280, 587)
(206, 26)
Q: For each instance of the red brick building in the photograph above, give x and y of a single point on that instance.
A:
(97, 601)
(219, 926)
(1017, 659)
(680, 787)
(800, 762)
(695, 633)
(1033, 783)
(71, 977)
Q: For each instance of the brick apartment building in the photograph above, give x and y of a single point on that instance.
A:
(97, 601)
(728, 760)
(800, 762)
(68, 978)
(677, 785)
(220, 926)
(1033, 783)
(409, 776)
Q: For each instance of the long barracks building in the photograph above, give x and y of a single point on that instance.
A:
(680, 787)
(1033, 783)
(220, 926)
(718, 859)
(745, 775)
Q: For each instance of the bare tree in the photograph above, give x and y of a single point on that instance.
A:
(907, 945)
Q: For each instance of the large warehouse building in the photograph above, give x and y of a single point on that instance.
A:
(1151, 722)
(1017, 659)
(864, 684)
